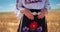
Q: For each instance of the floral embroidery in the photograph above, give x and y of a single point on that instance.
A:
(25, 29)
(39, 29)
(32, 1)
(33, 25)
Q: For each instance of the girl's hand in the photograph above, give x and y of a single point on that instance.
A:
(42, 14)
(28, 14)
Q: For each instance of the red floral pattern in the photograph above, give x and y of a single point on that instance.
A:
(33, 25)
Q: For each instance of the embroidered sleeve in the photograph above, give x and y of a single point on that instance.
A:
(47, 5)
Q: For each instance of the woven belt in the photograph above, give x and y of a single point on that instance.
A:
(35, 13)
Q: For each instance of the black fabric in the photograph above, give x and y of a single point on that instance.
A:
(26, 22)
(35, 10)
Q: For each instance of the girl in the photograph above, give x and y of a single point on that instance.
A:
(32, 15)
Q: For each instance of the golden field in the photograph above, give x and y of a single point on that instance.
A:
(9, 22)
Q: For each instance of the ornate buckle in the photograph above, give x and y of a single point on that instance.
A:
(35, 13)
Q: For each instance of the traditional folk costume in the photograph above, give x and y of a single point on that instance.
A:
(35, 6)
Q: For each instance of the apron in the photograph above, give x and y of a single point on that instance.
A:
(36, 25)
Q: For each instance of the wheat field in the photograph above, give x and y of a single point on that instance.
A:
(9, 22)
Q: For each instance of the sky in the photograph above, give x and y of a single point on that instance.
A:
(9, 5)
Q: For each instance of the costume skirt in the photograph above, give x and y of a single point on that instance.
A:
(36, 25)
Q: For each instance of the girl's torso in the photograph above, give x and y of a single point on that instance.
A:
(33, 4)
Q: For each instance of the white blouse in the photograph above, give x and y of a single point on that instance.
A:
(31, 4)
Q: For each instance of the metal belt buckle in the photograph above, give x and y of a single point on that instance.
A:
(34, 13)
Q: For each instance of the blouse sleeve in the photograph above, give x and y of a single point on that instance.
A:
(47, 5)
(19, 8)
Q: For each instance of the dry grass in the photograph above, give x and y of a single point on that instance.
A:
(53, 21)
(9, 22)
